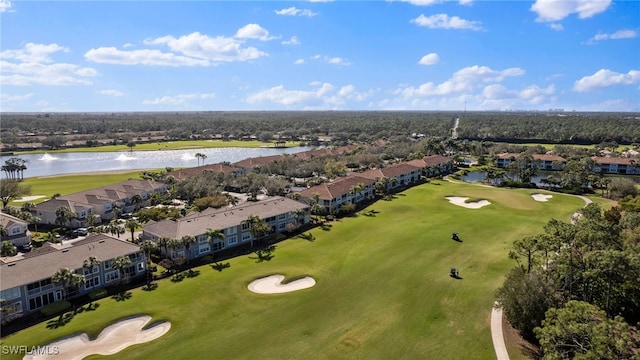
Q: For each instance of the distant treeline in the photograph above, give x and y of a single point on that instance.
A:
(561, 128)
(556, 128)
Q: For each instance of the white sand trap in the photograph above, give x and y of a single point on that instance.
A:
(30, 198)
(541, 197)
(273, 285)
(112, 339)
(461, 201)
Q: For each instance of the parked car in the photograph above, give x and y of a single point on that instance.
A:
(24, 248)
(126, 216)
(82, 231)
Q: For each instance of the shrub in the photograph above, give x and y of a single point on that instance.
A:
(98, 294)
(55, 307)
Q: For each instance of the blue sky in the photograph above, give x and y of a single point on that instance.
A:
(113, 56)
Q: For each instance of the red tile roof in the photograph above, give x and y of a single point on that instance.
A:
(436, 160)
(336, 188)
(615, 160)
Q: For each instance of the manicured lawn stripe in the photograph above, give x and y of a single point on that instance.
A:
(383, 289)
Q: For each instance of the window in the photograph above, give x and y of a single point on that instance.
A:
(140, 267)
(15, 230)
(111, 276)
(245, 226)
(281, 226)
(40, 301)
(218, 245)
(91, 282)
(232, 230)
(107, 264)
(246, 236)
(232, 240)
(204, 249)
(10, 294)
(282, 216)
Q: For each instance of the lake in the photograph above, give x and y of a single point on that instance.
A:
(478, 176)
(82, 162)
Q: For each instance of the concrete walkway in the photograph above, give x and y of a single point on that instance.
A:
(496, 333)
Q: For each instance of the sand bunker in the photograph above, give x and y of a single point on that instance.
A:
(541, 197)
(461, 201)
(30, 198)
(273, 285)
(112, 339)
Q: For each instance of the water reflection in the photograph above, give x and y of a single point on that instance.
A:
(79, 162)
(478, 176)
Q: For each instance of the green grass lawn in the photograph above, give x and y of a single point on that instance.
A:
(68, 184)
(383, 289)
(167, 145)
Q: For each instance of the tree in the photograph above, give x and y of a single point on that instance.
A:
(90, 263)
(213, 235)
(8, 249)
(11, 189)
(64, 215)
(136, 200)
(114, 228)
(581, 330)
(68, 279)
(132, 225)
(122, 263)
(14, 168)
(131, 144)
(163, 243)
(148, 246)
(333, 168)
(187, 241)
(54, 141)
(200, 156)
(257, 227)
(620, 187)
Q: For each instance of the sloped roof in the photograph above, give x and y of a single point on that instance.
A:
(197, 223)
(542, 157)
(616, 160)
(432, 160)
(42, 263)
(336, 188)
(7, 220)
(389, 171)
(257, 161)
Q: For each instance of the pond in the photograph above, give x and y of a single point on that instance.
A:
(478, 176)
(82, 162)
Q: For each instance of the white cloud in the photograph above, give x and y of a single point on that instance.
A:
(323, 96)
(6, 98)
(554, 10)
(429, 59)
(5, 6)
(422, 2)
(34, 64)
(299, 61)
(253, 31)
(293, 41)
(618, 35)
(24, 74)
(111, 55)
(180, 99)
(293, 11)
(334, 60)
(556, 27)
(128, 45)
(34, 52)
(466, 2)
(194, 49)
(444, 21)
(604, 78)
(115, 93)
(463, 81)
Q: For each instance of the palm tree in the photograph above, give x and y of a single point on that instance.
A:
(163, 243)
(201, 156)
(122, 263)
(63, 216)
(148, 246)
(115, 228)
(132, 225)
(187, 241)
(90, 263)
(136, 200)
(68, 279)
(213, 235)
(258, 227)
